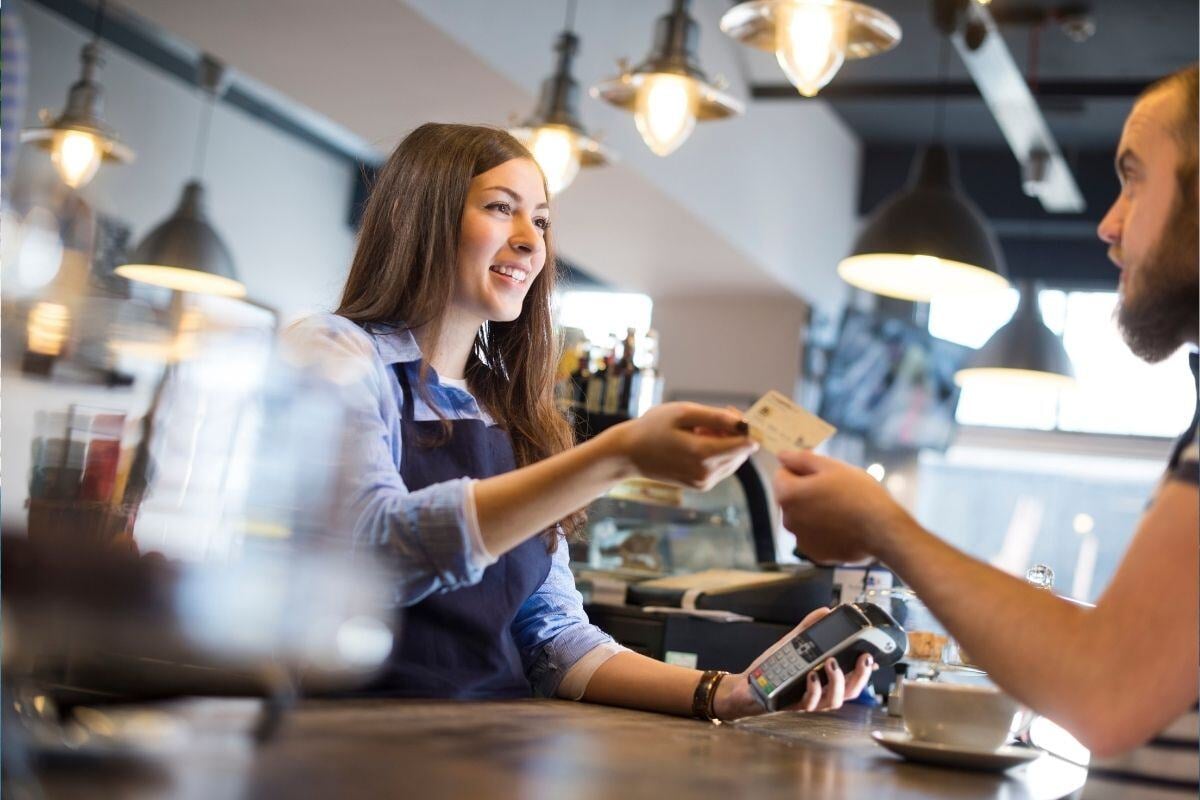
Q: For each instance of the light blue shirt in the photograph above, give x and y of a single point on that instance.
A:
(427, 535)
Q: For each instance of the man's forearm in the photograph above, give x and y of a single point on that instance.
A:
(1034, 645)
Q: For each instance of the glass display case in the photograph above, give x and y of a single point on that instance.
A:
(728, 527)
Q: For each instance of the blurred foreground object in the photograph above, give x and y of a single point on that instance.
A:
(180, 530)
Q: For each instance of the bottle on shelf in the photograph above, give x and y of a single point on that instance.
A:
(630, 376)
(579, 377)
(614, 380)
(596, 386)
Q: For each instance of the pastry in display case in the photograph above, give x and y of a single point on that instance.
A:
(647, 530)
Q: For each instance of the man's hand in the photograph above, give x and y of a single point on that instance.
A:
(736, 699)
(837, 513)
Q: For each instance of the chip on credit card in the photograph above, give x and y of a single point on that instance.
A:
(778, 424)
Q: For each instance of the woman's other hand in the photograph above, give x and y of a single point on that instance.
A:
(684, 443)
(736, 699)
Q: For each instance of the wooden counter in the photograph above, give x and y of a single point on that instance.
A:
(532, 749)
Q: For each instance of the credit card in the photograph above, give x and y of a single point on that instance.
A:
(778, 424)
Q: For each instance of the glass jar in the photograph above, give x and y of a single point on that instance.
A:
(927, 637)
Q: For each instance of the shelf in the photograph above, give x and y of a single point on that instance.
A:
(629, 511)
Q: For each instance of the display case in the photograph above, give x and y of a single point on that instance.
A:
(728, 527)
(721, 544)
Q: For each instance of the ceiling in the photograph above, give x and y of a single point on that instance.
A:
(1084, 89)
(738, 209)
(1135, 41)
(764, 203)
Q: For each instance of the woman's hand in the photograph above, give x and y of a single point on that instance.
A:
(736, 699)
(684, 443)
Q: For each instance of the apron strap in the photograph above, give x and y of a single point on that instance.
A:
(406, 405)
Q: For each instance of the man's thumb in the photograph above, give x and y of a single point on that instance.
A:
(803, 462)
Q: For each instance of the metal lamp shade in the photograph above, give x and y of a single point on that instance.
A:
(870, 33)
(558, 106)
(185, 253)
(1023, 350)
(83, 113)
(927, 240)
(676, 41)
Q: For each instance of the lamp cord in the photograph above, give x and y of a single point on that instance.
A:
(210, 78)
(569, 25)
(98, 25)
(201, 152)
(202, 139)
(939, 114)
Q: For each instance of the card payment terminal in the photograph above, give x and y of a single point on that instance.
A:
(843, 634)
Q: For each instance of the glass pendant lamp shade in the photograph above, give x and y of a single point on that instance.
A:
(810, 43)
(665, 111)
(668, 93)
(1023, 352)
(556, 150)
(554, 133)
(811, 38)
(185, 253)
(79, 139)
(927, 240)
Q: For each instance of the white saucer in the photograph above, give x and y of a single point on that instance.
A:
(900, 743)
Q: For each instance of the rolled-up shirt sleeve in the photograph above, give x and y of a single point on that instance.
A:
(424, 535)
(552, 629)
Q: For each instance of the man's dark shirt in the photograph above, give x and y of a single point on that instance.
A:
(1183, 464)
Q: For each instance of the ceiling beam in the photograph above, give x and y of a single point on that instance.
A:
(1044, 172)
(159, 50)
(926, 90)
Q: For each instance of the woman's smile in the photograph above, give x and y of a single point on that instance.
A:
(512, 274)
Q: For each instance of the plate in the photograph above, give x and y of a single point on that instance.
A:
(946, 755)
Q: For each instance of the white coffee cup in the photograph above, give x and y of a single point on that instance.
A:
(975, 717)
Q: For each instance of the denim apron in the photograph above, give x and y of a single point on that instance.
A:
(458, 644)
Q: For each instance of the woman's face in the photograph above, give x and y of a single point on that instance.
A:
(502, 247)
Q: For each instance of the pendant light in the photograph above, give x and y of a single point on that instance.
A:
(811, 38)
(184, 252)
(554, 133)
(78, 139)
(928, 239)
(1023, 352)
(668, 92)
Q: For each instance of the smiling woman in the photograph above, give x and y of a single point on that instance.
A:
(462, 471)
(503, 240)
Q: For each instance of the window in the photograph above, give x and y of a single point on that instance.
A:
(1073, 511)
(1117, 393)
(602, 315)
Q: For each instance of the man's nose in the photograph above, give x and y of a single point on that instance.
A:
(1109, 229)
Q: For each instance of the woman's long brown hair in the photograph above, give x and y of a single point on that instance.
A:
(404, 272)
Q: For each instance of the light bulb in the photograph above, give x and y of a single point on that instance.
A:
(47, 329)
(556, 150)
(810, 42)
(76, 156)
(666, 111)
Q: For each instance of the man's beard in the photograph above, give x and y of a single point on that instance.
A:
(1157, 312)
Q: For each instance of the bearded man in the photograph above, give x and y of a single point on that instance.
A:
(1115, 675)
